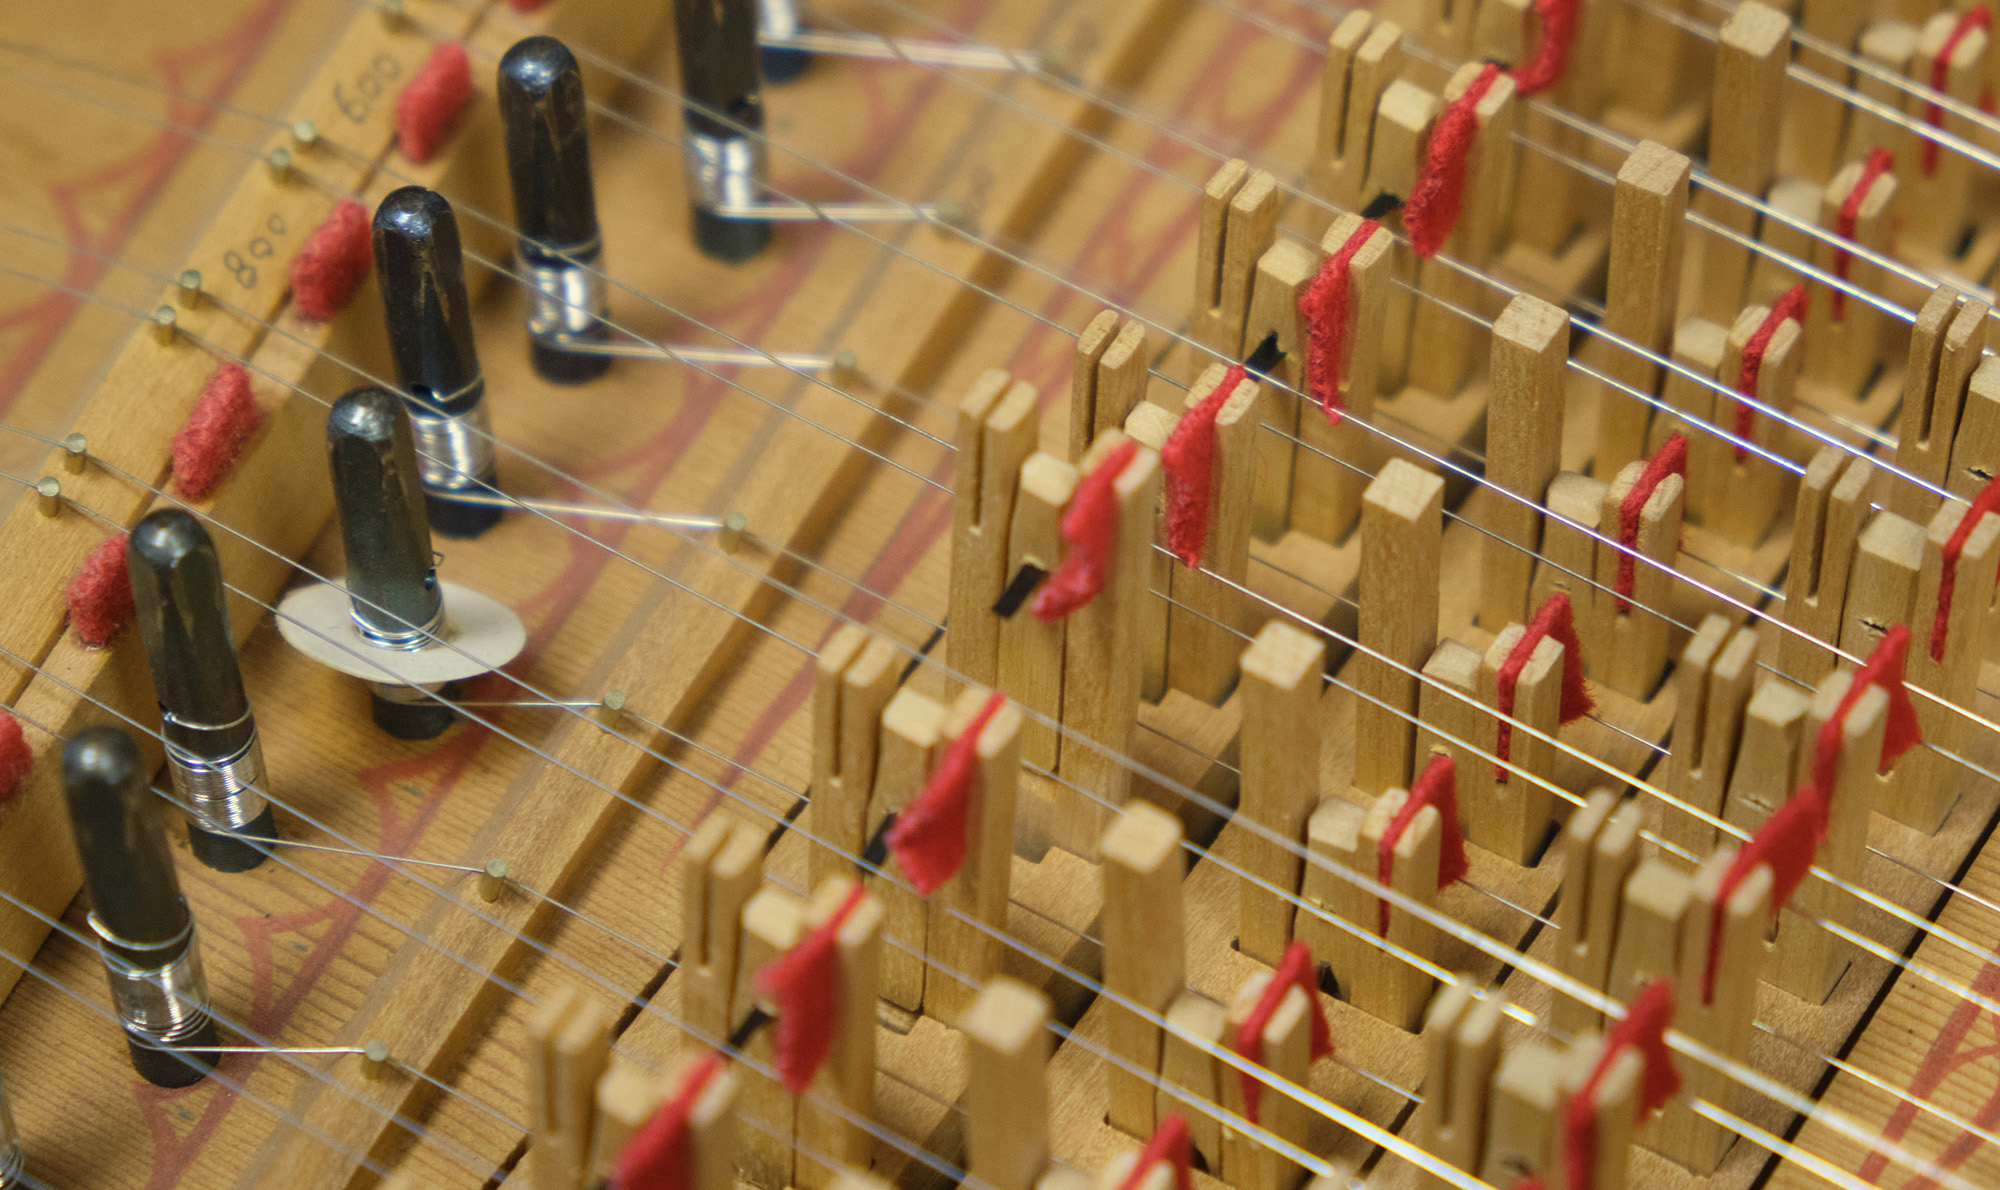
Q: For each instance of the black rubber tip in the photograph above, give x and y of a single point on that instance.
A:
(557, 366)
(235, 853)
(731, 241)
(454, 518)
(782, 66)
(182, 1067)
(426, 720)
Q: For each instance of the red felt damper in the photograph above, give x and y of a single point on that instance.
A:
(1434, 201)
(1988, 500)
(1647, 1019)
(1090, 532)
(100, 596)
(929, 837)
(1436, 786)
(1786, 843)
(1883, 668)
(1170, 1143)
(1670, 459)
(1976, 18)
(657, 1157)
(15, 757)
(1294, 970)
(1551, 58)
(220, 423)
(525, 5)
(1329, 324)
(804, 984)
(430, 103)
(335, 259)
(1553, 618)
(1880, 161)
(1790, 305)
(1189, 460)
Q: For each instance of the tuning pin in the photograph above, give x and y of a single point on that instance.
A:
(429, 318)
(555, 208)
(723, 108)
(213, 755)
(145, 934)
(388, 623)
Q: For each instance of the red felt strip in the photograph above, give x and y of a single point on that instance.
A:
(1988, 500)
(1883, 668)
(1976, 18)
(1090, 531)
(657, 1157)
(100, 596)
(1170, 1143)
(525, 5)
(216, 429)
(1294, 970)
(804, 984)
(335, 259)
(1790, 305)
(431, 101)
(1647, 1019)
(1189, 460)
(15, 757)
(1434, 201)
(1553, 618)
(1786, 844)
(1551, 57)
(1329, 324)
(1880, 161)
(1670, 459)
(1436, 786)
(929, 837)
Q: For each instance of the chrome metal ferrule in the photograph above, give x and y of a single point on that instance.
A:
(408, 694)
(454, 450)
(162, 1004)
(724, 173)
(778, 19)
(220, 792)
(570, 298)
(420, 636)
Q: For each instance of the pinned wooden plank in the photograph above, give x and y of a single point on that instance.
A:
(1975, 453)
(1886, 49)
(1616, 1100)
(1521, 1124)
(1945, 345)
(1364, 55)
(1938, 204)
(1651, 912)
(1107, 379)
(1723, 1023)
(1402, 523)
(1568, 564)
(1600, 847)
(834, 1113)
(1689, 391)
(773, 920)
(1882, 584)
(1750, 489)
(569, 1043)
(968, 916)
(1524, 429)
(1280, 754)
(852, 681)
(1389, 987)
(719, 871)
(1508, 811)
(1191, 1079)
(1204, 624)
(1713, 679)
(1648, 214)
(1442, 338)
(1462, 728)
(1634, 638)
(1815, 122)
(1006, 1032)
(1333, 836)
(1834, 497)
(1844, 333)
(998, 423)
(1462, 1045)
(627, 1097)
(1144, 952)
(1752, 50)
(1773, 734)
(1249, 1163)
(1031, 652)
(912, 745)
(1926, 785)
(1239, 219)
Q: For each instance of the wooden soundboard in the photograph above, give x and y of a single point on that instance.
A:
(1082, 191)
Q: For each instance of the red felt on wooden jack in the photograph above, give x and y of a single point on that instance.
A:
(1551, 57)
(1670, 459)
(1883, 668)
(1786, 844)
(1647, 1019)
(1330, 324)
(1436, 786)
(1090, 532)
(100, 596)
(1988, 500)
(1790, 305)
(1554, 618)
(1434, 201)
(1189, 460)
(805, 985)
(657, 1156)
(335, 259)
(430, 103)
(1880, 161)
(928, 838)
(1294, 970)
(1976, 18)
(1170, 1143)
(16, 758)
(221, 422)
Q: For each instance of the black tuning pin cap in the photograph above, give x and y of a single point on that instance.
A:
(555, 208)
(422, 275)
(723, 109)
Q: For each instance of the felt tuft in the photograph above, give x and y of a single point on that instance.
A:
(335, 259)
(431, 101)
(16, 758)
(100, 596)
(221, 422)
(1089, 532)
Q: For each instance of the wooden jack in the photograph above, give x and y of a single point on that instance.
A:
(1648, 221)
(855, 678)
(1281, 686)
(1204, 627)
(569, 1043)
(1364, 55)
(1834, 498)
(1239, 218)
(1713, 681)
(1144, 953)
(1523, 449)
(998, 422)
(1401, 531)
(720, 869)
(1006, 1033)
(834, 1111)
(968, 916)
(1946, 344)
(1600, 849)
(1107, 379)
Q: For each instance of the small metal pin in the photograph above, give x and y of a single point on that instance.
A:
(610, 707)
(375, 1058)
(846, 368)
(48, 493)
(305, 133)
(493, 880)
(280, 161)
(735, 531)
(392, 13)
(77, 453)
(165, 324)
(190, 288)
